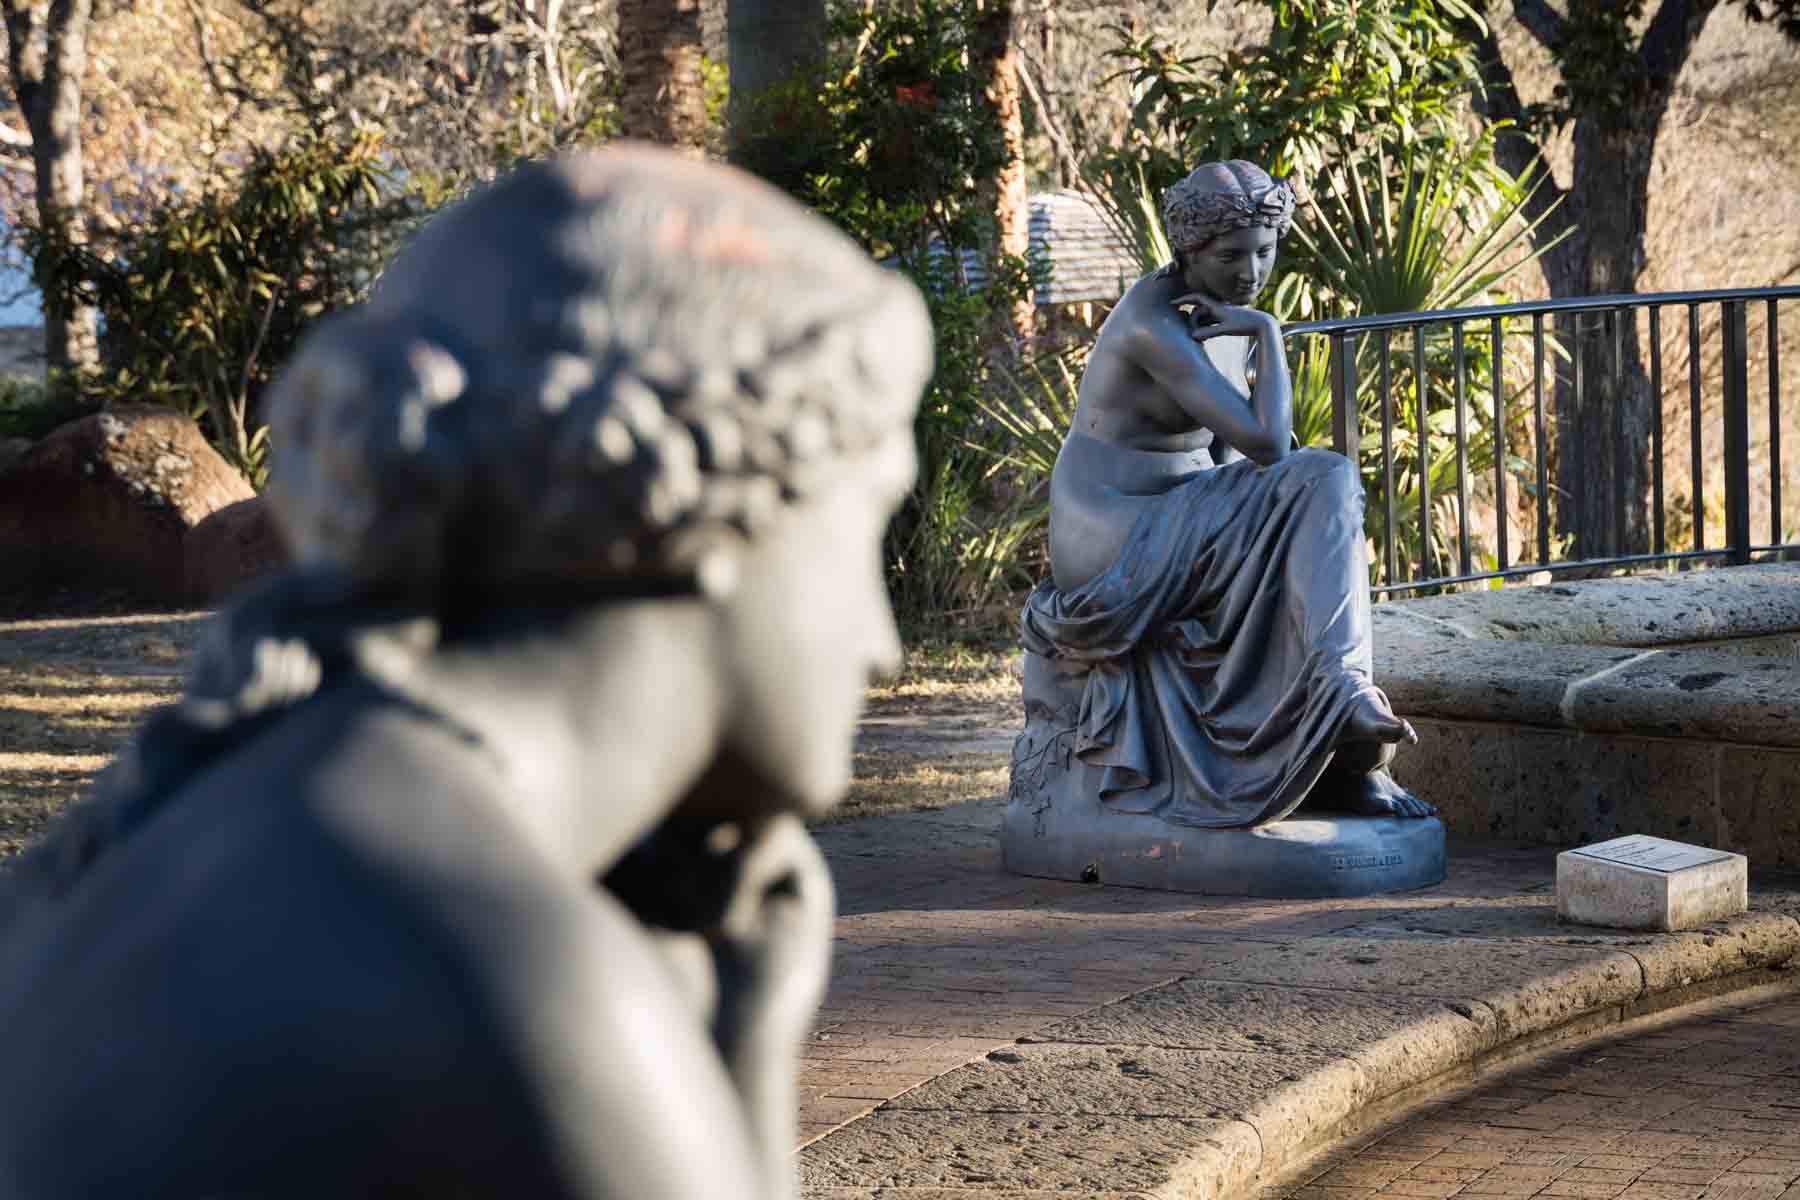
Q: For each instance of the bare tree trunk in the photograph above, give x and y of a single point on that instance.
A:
(47, 55)
(998, 59)
(1603, 395)
(660, 58)
(770, 43)
(1602, 452)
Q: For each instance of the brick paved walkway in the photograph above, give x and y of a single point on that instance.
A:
(941, 957)
(1708, 1109)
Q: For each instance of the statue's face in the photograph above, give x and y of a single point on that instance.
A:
(1233, 267)
(808, 627)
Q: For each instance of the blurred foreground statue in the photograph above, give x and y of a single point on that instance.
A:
(471, 864)
(1201, 660)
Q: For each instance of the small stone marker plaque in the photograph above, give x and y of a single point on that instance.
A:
(1643, 882)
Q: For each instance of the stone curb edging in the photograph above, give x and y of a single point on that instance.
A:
(1735, 955)
(1258, 1133)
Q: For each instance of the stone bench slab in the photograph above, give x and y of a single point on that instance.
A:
(1566, 714)
(1638, 610)
(1689, 692)
(1702, 654)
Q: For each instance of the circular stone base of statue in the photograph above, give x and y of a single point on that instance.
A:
(1303, 857)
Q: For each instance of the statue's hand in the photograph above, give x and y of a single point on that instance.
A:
(741, 913)
(1228, 320)
(758, 898)
(772, 955)
(773, 945)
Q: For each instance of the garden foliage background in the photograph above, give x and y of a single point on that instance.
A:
(251, 166)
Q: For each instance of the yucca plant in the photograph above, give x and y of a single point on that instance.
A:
(1034, 410)
(1398, 229)
(1131, 209)
(1311, 377)
(972, 537)
(1026, 421)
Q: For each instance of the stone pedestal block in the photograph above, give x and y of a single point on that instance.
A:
(1643, 882)
(1299, 858)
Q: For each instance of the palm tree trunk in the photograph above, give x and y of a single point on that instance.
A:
(998, 58)
(660, 58)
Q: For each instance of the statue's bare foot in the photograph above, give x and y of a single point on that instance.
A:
(1365, 794)
(1377, 795)
(1371, 720)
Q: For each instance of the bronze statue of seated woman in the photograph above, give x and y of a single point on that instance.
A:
(1200, 659)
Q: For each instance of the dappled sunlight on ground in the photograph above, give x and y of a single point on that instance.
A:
(72, 691)
(938, 735)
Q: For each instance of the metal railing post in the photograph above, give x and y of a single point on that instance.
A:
(1343, 396)
(1736, 405)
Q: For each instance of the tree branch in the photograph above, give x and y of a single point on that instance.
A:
(1519, 150)
(1498, 100)
(1544, 23)
(1670, 39)
(23, 58)
(208, 63)
(1065, 153)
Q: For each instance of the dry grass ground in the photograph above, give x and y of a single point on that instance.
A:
(72, 691)
(940, 734)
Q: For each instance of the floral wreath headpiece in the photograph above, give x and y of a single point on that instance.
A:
(1196, 210)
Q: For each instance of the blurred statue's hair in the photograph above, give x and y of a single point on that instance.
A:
(584, 378)
(1219, 197)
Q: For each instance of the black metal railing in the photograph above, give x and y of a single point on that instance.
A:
(1457, 423)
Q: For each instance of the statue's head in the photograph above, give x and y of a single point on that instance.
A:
(623, 374)
(1223, 221)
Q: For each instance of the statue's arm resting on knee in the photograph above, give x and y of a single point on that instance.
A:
(1174, 356)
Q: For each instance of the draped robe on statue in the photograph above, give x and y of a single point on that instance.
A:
(1223, 612)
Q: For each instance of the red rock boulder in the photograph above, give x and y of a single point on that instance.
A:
(107, 501)
(228, 549)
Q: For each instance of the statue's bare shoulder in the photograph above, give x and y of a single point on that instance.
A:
(1143, 359)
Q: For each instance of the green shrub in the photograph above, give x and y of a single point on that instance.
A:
(204, 299)
(954, 550)
(30, 408)
(889, 135)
